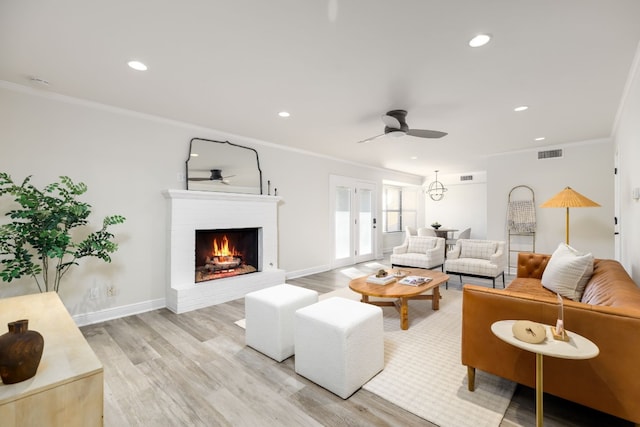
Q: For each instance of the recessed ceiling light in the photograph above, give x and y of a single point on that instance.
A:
(194, 154)
(414, 157)
(137, 65)
(521, 108)
(540, 138)
(284, 114)
(479, 40)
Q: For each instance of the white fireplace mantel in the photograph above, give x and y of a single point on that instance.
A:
(189, 211)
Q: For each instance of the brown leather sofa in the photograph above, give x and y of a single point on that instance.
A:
(608, 314)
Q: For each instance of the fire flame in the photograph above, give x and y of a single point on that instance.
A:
(222, 249)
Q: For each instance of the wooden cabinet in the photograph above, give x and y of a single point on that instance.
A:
(68, 388)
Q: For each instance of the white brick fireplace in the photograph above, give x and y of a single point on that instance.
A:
(189, 211)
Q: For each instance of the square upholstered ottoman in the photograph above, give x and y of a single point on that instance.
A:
(270, 315)
(339, 344)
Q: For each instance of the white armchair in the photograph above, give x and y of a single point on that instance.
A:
(477, 258)
(419, 252)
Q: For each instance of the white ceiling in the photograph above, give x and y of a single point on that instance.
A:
(338, 65)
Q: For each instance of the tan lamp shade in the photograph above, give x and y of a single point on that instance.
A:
(569, 198)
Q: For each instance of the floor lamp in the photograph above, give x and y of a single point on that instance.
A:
(569, 198)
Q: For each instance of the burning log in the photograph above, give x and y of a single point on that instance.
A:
(218, 263)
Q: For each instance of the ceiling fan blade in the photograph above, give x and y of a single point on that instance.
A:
(423, 133)
(372, 138)
(199, 179)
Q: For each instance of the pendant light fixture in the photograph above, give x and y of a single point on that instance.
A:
(436, 190)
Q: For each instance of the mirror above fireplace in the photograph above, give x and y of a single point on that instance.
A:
(223, 166)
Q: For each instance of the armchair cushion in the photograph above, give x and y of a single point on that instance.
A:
(420, 244)
(476, 249)
(567, 272)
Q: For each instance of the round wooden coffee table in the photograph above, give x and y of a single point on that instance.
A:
(403, 293)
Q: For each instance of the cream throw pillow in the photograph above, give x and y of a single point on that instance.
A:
(478, 250)
(568, 272)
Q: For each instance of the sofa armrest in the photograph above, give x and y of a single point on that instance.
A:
(402, 249)
(531, 265)
(436, 254)
(499, 258)
(454, 253)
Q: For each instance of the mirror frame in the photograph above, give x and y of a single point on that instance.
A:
(222, 142)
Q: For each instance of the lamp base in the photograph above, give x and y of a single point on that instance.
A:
(560, 337)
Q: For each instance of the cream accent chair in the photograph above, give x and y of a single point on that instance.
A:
(477, 258)
(419, 252)
(426, 231)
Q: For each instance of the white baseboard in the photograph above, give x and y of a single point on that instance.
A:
(307, 272)
(117, 312)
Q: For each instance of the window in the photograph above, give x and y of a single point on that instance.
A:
(399, 208)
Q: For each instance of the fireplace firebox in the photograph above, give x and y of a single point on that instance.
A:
(224, 253)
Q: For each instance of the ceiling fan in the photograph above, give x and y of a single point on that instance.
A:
(396, 125)
(216, 175)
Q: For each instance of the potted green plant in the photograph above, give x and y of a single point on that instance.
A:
(39, 239)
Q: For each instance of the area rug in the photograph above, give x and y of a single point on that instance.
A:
(423, 373)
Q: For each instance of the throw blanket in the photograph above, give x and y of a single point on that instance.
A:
(521, 216)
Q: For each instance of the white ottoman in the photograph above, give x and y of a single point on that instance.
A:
(339, 344)
(269, 316)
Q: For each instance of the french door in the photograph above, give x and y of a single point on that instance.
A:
(354, 207)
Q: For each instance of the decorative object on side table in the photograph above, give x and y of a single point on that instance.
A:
(528, 331)
(20, 352)
(558, 331)
(436, 225)
(41, 232)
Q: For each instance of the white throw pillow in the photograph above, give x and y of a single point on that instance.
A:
(568, 272)
(420, 244)
(478, 250)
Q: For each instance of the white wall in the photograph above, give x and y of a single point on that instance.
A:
(127, 160)
(627, 140)
(586, 167)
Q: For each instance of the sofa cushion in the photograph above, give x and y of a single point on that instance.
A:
(420, 244)
(478, 250)
(568, 272)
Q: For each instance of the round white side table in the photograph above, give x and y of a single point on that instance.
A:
(578, 347)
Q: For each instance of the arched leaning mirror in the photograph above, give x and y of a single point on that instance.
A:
(223, 167)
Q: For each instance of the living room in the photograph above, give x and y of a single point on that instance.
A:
(129, 157)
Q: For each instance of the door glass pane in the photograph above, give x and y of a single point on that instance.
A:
(342, 222)
(365, 222)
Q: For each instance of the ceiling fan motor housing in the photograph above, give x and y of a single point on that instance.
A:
(392, 126)
(216, 174)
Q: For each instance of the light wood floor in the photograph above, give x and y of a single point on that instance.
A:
(193, 369)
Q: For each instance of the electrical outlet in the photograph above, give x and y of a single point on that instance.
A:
(111, 291)
(181, 177)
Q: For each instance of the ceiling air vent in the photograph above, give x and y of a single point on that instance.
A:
(550, 154)
(466, 177)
